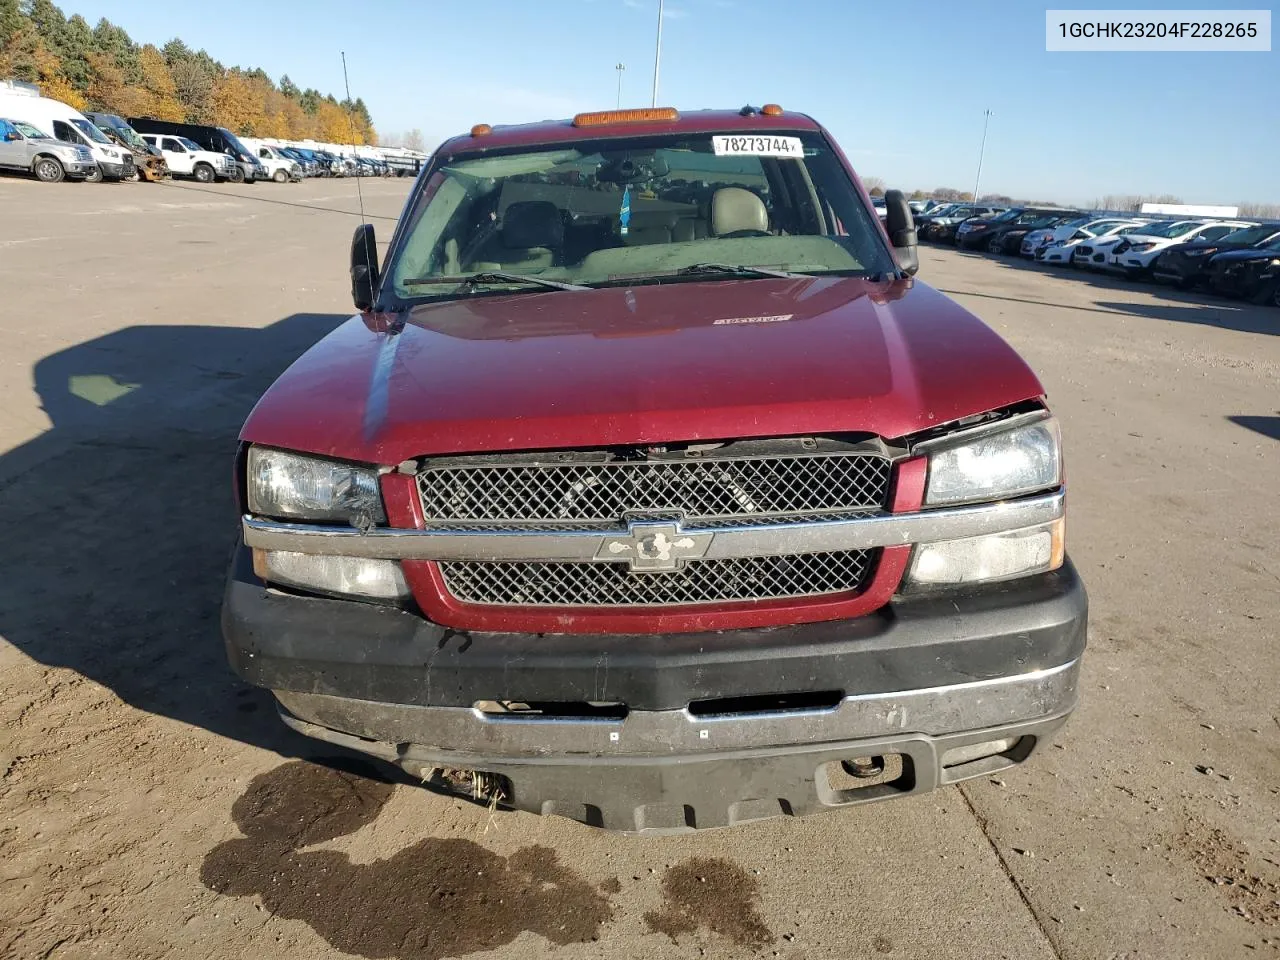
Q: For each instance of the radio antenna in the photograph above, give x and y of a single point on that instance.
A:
(370, 254)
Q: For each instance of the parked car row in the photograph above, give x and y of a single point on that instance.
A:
(52, 141)
(331, 160)
(1234, 258)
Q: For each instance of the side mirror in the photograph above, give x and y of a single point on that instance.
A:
(902, 231)
(364, 266)
(12, 135)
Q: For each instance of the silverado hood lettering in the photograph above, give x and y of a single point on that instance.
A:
(643, 364)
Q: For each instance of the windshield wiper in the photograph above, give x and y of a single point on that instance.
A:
(493, 276)
(734, 268)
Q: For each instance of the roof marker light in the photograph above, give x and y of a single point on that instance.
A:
(481, 130)
(603, 118)
(771, 110)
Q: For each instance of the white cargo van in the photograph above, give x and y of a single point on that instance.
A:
(69, 126)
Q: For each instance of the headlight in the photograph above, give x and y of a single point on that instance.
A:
(1201, 253)
(1000, 556)
(290, 485)
(993, 466)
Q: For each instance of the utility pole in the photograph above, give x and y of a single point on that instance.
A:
(981, 150)
(657, 55)
(620, 67)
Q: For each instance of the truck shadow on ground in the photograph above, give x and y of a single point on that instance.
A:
(1267, 426)
(121, 519)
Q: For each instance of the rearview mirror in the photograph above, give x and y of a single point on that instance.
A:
(902, 231)
(364, 266)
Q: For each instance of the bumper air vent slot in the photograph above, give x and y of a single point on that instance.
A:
(769, 703)
(551, 710)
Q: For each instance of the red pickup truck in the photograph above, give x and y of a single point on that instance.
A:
(649, 488)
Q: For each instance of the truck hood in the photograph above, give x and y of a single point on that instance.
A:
(636, 365)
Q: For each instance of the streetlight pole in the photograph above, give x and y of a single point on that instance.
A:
(981, 151)
(657, 55)
(620, 67)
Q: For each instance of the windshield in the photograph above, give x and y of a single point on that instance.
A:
(125, 132)
(1102, 226)
(27, 130)
(130, 136)
(1006, 216)
(618, 211)
(1249, 235)
(232, 142)
(89, 130)
(1170, 230)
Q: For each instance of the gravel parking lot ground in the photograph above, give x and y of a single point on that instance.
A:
(150, 806)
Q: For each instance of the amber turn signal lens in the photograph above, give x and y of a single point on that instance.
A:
(1058, 543)
(481, 130)
(603, 118)
(771, 110)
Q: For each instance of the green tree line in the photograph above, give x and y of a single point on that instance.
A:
(101, 68)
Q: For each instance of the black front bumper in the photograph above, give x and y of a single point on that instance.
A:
(368, 652)
(941, 688)
(1242, 283)
(971, 241)
(1179, 270)
(118, 171)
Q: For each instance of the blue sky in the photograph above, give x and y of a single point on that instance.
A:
(901, 85)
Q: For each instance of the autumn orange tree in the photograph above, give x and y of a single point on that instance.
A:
(102, 68)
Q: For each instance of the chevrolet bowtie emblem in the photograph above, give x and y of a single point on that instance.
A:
(654, 547)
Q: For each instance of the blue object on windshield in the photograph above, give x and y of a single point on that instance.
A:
(624, 215)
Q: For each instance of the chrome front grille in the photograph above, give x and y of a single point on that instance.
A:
(604, 492)
(745, 484)
(520, 583)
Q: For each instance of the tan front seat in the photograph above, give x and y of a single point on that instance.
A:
(736, 212)
(531, 237)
